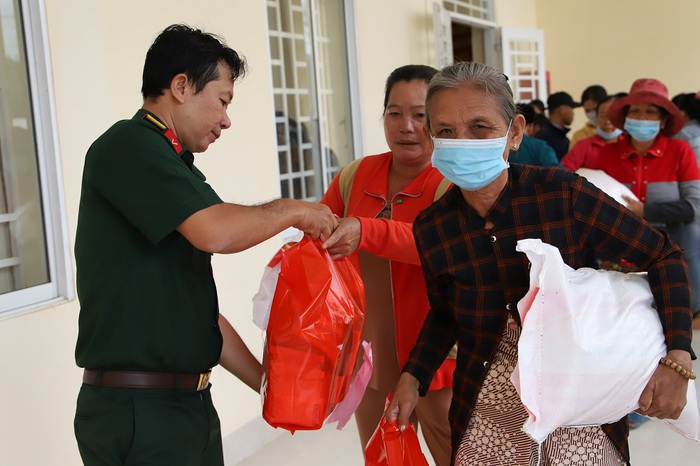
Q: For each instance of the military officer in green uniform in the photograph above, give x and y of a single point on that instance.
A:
(149, 326)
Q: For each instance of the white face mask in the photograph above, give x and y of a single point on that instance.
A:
(608, 136)
(592, 117)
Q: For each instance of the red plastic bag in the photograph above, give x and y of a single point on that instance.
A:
(388, 446)
(312, 338)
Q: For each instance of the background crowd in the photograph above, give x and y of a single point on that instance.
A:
(641, 138)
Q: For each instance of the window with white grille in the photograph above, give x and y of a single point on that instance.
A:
(522, 49)
(523, 63)
(465, 31)
(311, 69)
(482, 9)
(34, 251)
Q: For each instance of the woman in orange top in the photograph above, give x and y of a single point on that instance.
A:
(379, 196)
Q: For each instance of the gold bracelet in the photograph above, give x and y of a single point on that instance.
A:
(690, 375)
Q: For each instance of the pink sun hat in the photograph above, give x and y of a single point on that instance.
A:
(647, 91)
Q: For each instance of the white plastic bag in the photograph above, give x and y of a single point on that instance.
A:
(607, 184)
(262, 301)
(590, 342)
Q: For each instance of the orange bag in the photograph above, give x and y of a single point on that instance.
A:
(388, 446)
(312, 337)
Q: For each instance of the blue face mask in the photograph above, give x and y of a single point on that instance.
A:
(642, 130)
(608, 136)
(471, 164)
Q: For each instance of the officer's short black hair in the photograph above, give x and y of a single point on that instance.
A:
(183, 49)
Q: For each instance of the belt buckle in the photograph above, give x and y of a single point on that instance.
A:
(203, 381)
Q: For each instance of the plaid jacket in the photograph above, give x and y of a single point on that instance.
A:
(475, 277)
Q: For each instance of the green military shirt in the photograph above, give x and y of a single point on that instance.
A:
(147, 296)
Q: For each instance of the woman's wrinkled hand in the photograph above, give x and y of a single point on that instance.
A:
(634, 205)
(664, 397)
(403, 401)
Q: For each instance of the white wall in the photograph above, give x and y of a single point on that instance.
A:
(390, 33)
(516, 13)
(97, 50)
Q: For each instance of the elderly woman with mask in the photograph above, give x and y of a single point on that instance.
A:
(466, 242)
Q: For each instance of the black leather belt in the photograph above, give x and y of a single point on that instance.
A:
(137, 379)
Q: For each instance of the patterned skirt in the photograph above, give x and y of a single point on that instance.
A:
(494, 435)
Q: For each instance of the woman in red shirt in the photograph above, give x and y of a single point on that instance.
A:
(379, 196)
(662, 172)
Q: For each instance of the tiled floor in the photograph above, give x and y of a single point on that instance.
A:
(652, 444)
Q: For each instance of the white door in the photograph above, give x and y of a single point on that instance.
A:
(443, 36)
(523, 63)
(483, 35)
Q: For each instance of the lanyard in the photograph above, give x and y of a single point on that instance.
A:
(167, 132)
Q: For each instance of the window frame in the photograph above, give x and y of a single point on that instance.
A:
(353, 72)
(466, 9)
(323, 173)
(525, 87)
(442, 24)
(60, 287)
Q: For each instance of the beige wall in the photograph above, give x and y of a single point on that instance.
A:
(97, 50)
(516, 13)
(612, 43)
(408, 38)
(383, 46)
(97, 66)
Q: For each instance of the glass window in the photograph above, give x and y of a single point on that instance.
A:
(310, 75)
(523, 63)
(29, 183)
(465, 31)
(482, 9)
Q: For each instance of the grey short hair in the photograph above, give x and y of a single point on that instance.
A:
(481, 76)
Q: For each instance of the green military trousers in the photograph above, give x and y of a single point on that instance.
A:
(147, 427)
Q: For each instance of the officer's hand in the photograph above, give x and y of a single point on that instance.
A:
(316, 220)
